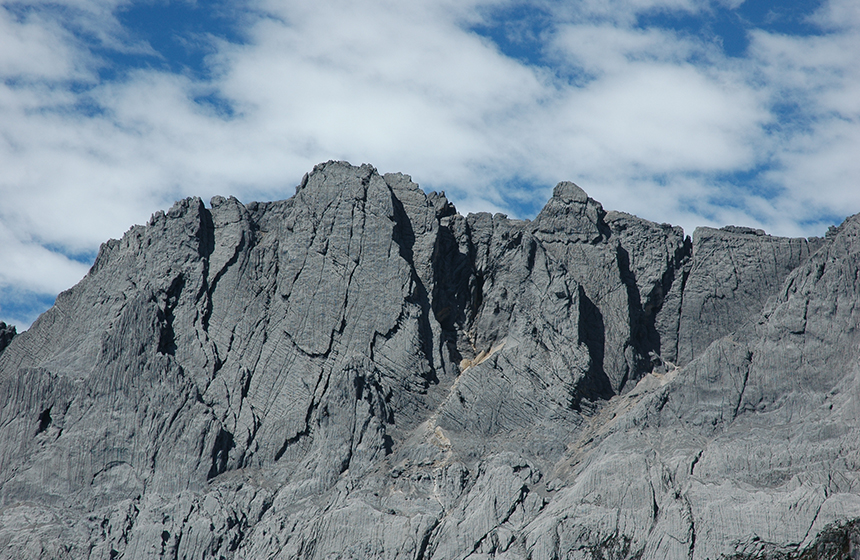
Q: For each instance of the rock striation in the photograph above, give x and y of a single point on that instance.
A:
(361, 372)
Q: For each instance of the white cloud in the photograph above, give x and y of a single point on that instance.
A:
(838, 15)
(33, 48)
(30, 265)
(819, 78)
(646, 120)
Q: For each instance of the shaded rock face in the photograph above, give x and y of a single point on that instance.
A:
(7, 333)
(361, 372)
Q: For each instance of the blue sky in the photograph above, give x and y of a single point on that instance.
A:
(693, 112)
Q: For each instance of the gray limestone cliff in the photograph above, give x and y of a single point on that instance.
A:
(361, 372)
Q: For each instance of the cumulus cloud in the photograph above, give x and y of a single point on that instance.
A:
(648, 119)
(814, 80)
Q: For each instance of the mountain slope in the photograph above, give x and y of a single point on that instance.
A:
(361, 372)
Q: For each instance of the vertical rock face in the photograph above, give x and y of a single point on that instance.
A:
(735, 271)
(361, 372)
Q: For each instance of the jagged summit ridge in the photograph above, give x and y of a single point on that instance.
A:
(361, 372)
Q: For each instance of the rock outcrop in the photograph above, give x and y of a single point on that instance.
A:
(361, 372)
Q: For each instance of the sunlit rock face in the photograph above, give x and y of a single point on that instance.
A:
(361, 372)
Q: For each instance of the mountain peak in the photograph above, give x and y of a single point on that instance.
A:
(567, 191)
(360, 371)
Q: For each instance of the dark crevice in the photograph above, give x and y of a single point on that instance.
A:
(425, 541)
(452, 271)
(685, 274)
(592, 334)
(44, 420)
(654, 304)
(167, 336)
(644, 338)
(681, 264)
(692, 521)
(454, 294)
(695, 461)
(602, 226)
(369, 389)
(220, 453)
(206, 236)
(293, 440)
(477, 293)
(531, 254)
(404, 237)
(206, 246)
(358, 383)
(387, 444)
(748, 365)
(7, 333)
